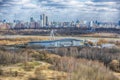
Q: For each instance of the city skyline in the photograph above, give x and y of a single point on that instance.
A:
(61, 10)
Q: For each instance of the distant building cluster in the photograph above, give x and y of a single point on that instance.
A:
(44, 22)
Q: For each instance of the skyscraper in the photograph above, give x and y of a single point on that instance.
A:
(41, 20)
(31, 19)
(32, 23)
(4, 21)
(119, 22)
(47, 21)
(44, 20)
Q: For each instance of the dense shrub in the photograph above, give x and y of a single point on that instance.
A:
(27, 66)
(115, 65)
(105, 55)
(1, 72)
(45, 56)
(69, 62)
(12, 57)
(81, 69)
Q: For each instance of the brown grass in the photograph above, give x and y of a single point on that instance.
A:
(81, 69)
(21, 40)
(103, 34)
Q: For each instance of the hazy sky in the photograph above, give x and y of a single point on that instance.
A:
(61, 10)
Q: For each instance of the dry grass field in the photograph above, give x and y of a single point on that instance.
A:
(117, 75)
(12, 40)
(107, 35)
(22, 39)
(38, 70)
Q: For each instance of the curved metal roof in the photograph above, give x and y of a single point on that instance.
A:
(51, 41)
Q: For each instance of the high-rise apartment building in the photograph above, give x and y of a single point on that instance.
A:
(44, 20)
(119, 23)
